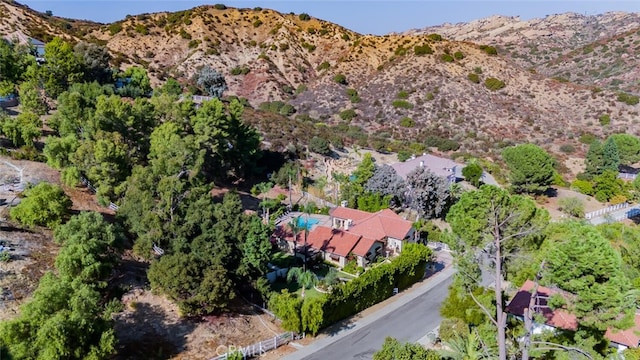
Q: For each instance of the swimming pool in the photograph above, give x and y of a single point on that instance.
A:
(305, 222)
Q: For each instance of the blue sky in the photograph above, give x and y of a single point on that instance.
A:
(363, 16)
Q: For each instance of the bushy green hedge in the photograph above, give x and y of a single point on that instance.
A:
(372, 287)
(376, 284)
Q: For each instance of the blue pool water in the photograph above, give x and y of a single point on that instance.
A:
(306, 223)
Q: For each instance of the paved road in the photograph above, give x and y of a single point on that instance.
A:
(408, 318)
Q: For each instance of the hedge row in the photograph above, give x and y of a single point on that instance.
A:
(372, 287)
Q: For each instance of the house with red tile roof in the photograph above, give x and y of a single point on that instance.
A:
(562, 319)
(349, 234)
(384, 226)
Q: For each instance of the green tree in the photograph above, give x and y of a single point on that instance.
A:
(31, 98)
(319, 145)
(594, 161)
(44, 204)
(211, 82)
(22, 129)
(489, 218)
(287, 308)
(595, 277)
(429, 193)
(628, 148)
(392, 349)
(610, 156)
(472, 173)
(531, 168)
(136, 82)
(256, 249)
(305, 278)
(608, 185)
(61, 67)
(94, 60)
(468, 347)
(69, 316)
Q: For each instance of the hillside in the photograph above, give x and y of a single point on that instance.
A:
(601, 50)
(402, 86)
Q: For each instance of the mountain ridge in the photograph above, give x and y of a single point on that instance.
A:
(403, 87)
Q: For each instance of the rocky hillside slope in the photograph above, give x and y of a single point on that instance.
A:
(601, 50)
(401, 86)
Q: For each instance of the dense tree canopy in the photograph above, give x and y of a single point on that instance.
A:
(429, 193)
(387, 182)
(594, 275)
(530, 168)
(69, 315)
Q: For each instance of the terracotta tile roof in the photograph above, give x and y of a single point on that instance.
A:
(560, 318)
(629, 337)
(348, 213)
(333, 241)
(377, 225)
(363, 246)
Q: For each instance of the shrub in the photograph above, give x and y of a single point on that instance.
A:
(567, 148)
(477, 70)
(441, 143)
(402, 104)
(319, 145)
(571, 206)
(184, 34)
(287, 109)
(141, 29)
(424, 49)
(583, 187)
(115, 28)
(340, 79)
(402, 94)
(435, 37)
(446, 58)
(44, 204)
(458, 55)
(240, 70)
(407, 122)
(347, 115)
(220, 6)
(323, 66)
(490, 50)
(474, 78)
(404, 155)
(628, 99)
(604, 119)
(304, 17)
(257, 23)
(587, 138)
(353, 95)
(493, 84)
(193, 44)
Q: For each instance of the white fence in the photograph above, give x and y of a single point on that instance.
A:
(91, 188)
(627, 176)
(605, 211)
(258, 348)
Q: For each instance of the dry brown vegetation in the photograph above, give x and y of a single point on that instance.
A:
(281, 53)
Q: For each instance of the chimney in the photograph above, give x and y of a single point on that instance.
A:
(344, 203)
(347, 224)
(421, 163)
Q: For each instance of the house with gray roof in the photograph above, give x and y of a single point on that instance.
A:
(442, 167)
